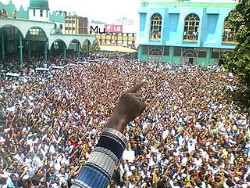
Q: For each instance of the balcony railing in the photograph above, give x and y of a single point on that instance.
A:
(216, 1)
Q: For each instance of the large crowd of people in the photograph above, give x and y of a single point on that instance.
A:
(194, 132)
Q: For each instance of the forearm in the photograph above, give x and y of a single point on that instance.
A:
(99, 168)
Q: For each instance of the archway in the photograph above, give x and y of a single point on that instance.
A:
(36, 41)
(58, 49)
(75, 47)
(11, 46)
(189, 56)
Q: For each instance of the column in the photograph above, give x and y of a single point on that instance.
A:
(21, 48)
(29, 48)
(208, 56)
(64, 51)
(171, 54)
(3, 52)
(88, 48)
(78, 49)
(45, 52)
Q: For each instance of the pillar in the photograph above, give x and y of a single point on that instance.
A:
(171, 54)
(64, 52)
(3, 52)
(21, 49)
(45, 52)
(208, 56)
(89, 48)
(29, 48)
(78, 49)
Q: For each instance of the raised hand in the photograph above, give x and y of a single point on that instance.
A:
(128, 108)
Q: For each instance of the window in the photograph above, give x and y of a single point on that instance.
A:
(190, 52)
(228, 33)
(34, 31)
(145, 50)
(41, 13)
(191, 28)
(34, 12)
(177, 51)
(166, 51)
(202, 52)
(155, 27)
(156, 50)
(215, 53)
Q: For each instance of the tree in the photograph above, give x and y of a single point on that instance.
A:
(86, 47)
(95, 47)
(238, 60)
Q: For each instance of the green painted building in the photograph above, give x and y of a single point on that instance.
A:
(36, 30)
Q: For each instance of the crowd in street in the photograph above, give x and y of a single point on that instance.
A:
(193, 133)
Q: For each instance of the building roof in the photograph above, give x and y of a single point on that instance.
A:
(39, 4)
(204, 4)
(97, 22)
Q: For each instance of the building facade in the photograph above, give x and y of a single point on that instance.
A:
(117, 39)
(39, 10)
(121, 33)
(190, 32)
(75, 24)
(36, 30)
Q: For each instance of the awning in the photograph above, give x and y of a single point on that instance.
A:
(117, 49)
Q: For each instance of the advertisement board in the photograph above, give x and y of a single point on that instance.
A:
(113, 28)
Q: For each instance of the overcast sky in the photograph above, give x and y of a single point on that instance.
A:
(102, 10)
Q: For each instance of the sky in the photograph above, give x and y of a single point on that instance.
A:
(101, 10)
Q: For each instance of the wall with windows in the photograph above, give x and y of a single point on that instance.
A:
(184, 26)
(75, 24)
(39, 15)
(117, 39)
(193, 34)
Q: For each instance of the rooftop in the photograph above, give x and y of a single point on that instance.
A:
(39, 4)
(200, 1)
(190, 3)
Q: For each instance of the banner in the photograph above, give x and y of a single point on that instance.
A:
(113, 28)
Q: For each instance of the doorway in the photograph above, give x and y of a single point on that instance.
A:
(191, 61)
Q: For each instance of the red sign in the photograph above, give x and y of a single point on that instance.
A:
(113, 28)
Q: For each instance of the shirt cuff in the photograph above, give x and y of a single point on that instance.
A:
(101, 163)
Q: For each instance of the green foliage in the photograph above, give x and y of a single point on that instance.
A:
(95, 47)
(239, 59)
(86, 46)
(58, 31)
